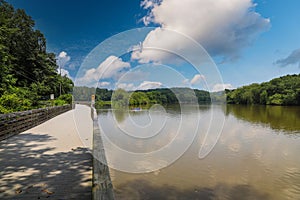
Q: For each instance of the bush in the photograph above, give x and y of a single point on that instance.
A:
(67, 98)
(4, 110)
(59, 102)
(102, 104)
(276, 99)
(13, 103)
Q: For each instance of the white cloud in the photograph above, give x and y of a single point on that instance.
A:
(126, 86)
(104, 84)
(197, 78)
(148, 4)
(112, 67)
(62, 59)
(63, 54)
(222, 87)
(64, 72)
(146, 85)
(186, 81)
(223, 27)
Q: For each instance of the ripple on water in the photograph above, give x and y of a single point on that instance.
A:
(290, 182)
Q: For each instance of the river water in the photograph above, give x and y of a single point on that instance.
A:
(257, 155)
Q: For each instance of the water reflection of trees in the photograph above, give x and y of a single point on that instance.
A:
(277, 117)
(174, 109)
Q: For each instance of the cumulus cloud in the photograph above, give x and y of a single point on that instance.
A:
(146, 85)
(223, 27)
(197, 78)
(62, 59)
(293, 58)
(186, 81)
(103, 84)
(126, 86)
(111, 67)
(64, 72)
(222, 87)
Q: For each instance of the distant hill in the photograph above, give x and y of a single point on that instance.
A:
(284, 90)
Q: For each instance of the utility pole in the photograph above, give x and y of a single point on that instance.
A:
(59, 65)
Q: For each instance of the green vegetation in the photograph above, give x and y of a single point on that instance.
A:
(121, 98)
(28, 72)
(279, 91)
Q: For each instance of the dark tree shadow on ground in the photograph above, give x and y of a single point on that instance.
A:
(141, 189)
(27, 171)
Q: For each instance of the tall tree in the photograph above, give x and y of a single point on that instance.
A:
(27, 69)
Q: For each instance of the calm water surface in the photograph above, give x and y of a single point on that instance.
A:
(256, 156)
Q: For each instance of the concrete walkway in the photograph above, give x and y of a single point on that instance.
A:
(50, 161)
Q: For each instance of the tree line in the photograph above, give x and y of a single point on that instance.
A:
(279, 91)
(121, 98)
(28, 72)
(284, 90)
(143, 97)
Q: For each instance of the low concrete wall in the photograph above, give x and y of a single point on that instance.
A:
(102, 185)
(17, 122)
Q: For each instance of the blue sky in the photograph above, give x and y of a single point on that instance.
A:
(265, 44)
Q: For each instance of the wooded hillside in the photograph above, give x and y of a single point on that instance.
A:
(279, 91)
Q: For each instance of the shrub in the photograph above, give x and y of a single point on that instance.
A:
(67, 98)
(59, 102)
(13, 102)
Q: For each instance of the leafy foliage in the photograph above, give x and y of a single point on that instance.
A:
(67, 98)
(28, 73)
(279, 91)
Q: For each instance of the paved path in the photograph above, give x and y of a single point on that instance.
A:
(50, 161)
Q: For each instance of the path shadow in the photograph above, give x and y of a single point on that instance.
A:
(28, 171)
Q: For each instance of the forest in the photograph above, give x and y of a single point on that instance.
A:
(284, 90)
(29, 74)
(163, 96)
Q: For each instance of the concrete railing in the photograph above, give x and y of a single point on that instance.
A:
(17, 122)
(102, 185)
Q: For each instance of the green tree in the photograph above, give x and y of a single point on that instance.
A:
(279, 91)
(138, 98)
(26, 66)
(120, 99)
